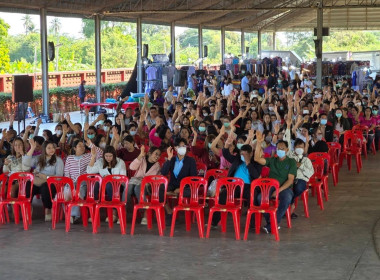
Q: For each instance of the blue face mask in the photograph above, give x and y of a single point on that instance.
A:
(242, 158)
(323, 122)
(239, 145)
(209, 145)
(375, 112)
(281, 153)
(111, 135)
(202, 129)
(91, 136)
(338, 115)
(226, 124)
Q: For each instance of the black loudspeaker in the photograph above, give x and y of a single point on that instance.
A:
(22, 88)
(145, 51)
(180, 77)
(51, 51)
(246, 49)
(205, 51)
(21, 111)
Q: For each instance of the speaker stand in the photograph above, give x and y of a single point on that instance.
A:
(18, 115)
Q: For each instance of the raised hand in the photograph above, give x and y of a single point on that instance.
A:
(259, 137)
(4, 133)
(39, 121)
(195, 133)
(170, 153)
(142, 151)
(67, 117)
(276, 128)
(32, 144)
(93, 151)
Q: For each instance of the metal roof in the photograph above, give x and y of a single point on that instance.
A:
(249, 15)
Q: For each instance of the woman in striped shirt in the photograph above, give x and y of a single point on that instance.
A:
(76, 165)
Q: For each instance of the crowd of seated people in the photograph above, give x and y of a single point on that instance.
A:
(241, 131)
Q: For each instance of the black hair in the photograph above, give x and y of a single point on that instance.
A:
(298, 141)
(129, 139)
(39, 139)
(218, 123)
(161, 131)
(247, 148)
(179, 141)
(212, 130)
(283, 142)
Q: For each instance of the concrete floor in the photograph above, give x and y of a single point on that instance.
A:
(337, 243)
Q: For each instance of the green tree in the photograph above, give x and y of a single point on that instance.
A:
(29, 25)
(4, 47)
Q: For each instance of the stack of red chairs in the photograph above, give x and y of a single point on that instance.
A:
(4, 216)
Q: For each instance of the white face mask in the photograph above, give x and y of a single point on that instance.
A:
(59, 132)
(102, 145)
(181, 151)
(299, 151)
(305, 112)
(106, 128)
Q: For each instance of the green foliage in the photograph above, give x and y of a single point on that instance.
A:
(4, 47)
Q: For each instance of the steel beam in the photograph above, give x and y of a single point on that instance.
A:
(44, 62)
(98, 59)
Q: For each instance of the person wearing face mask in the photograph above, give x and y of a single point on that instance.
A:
(207, 155)
(244, 167)
(201, 136)
(325, 126)
(58, 134)
(340, 123)
(178, 167)
(284, 170)
(304, 170)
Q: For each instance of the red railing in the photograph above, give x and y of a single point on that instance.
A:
(74, 78)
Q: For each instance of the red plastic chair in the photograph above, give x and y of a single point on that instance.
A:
(194, 203)
(336, 134)
(326, 159)
(267, 205)
(201, 169)
(89, 202)
(5, 217)
(364, 130)
(233, 204)
(334, 152)
(117, 181)
(152, 202)
(351, 147)
(59, 183)
(25, 203)
(316, 181)
(215, 174)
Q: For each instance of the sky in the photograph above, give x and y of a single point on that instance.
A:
(70, 26)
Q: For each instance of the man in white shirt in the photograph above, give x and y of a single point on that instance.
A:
(306, 84)
(228, 87)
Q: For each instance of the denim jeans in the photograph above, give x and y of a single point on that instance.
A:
(285, 198)
(298, 188)
(377, 138)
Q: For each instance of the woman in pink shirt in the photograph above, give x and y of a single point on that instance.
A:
(370, 121)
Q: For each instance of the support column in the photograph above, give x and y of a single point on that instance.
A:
(98, 60)
(259, 43)
(200, 46)
(223, 43)
(274, 40)
(242, 42)
(172, 41)
(44, 62)
(139, 56)
(319, 45)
